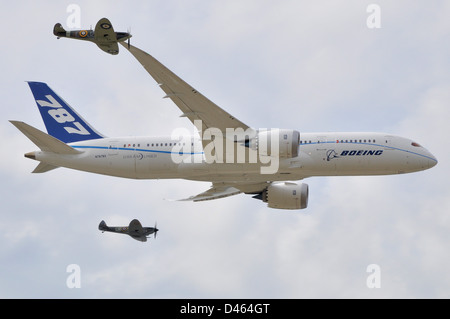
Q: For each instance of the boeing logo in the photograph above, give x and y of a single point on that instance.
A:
(331, 154)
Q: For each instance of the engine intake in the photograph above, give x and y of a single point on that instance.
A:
(285, 195)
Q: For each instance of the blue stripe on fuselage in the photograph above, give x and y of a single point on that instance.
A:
(132, 149)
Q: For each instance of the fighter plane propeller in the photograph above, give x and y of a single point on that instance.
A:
(103, 35)
(128, 42)
(156, 231)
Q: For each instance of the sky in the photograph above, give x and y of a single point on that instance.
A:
(313, 66)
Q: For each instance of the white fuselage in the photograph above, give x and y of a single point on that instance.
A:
(320, 154)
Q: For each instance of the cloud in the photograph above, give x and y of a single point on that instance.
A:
(312, 66)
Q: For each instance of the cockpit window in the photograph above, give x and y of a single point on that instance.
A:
(416, 144)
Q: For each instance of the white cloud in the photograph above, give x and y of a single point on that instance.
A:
(309, 65)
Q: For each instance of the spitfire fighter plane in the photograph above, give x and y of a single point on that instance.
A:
(103, 35)
(134, 230)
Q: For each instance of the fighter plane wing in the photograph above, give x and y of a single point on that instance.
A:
(135, 228)
(105, 37)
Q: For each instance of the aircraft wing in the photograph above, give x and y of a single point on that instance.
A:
(135, 228)
(221, 190)
(192, 103)
(105, 37)
(214, 192)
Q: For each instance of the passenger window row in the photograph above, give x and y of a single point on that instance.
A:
(156, 145)
(343, 141)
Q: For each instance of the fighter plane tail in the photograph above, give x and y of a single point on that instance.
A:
(58, 30)
(61, 120)
(102, 226)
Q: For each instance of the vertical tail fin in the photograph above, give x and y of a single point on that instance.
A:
(61, 121)
(102, 226)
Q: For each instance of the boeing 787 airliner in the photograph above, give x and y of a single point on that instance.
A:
(232, 156)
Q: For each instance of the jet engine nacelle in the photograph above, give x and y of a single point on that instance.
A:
(285, 195)
(282, 143)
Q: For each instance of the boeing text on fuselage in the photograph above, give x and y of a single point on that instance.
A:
(331, 154)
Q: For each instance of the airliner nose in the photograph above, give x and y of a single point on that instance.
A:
(425, 159)
(432, 161)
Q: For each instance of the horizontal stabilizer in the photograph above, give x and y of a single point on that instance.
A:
(44, 141)
(43, 167)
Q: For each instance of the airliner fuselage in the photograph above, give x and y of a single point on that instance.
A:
(320, 154)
